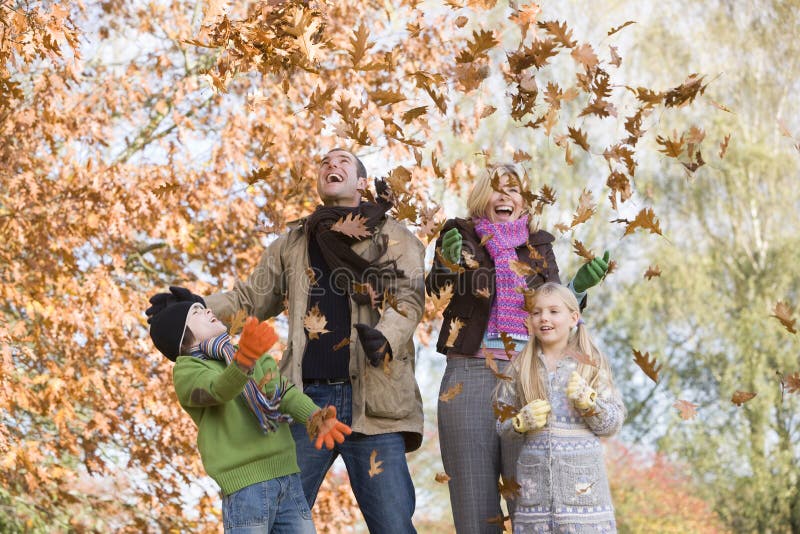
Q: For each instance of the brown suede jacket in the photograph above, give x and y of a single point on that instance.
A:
(467, 303)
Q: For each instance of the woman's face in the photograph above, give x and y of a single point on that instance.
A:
(508, 205)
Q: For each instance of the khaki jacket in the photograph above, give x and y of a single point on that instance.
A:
(382, 402)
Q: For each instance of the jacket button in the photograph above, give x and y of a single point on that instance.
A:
(353, 377)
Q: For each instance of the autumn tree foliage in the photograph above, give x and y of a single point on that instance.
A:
(653, 494)
(150, 143)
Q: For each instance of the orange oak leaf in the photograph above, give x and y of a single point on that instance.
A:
(503, 411)
(456, 325)
(579, 137)
(645, 219)
(521, 268)
(483, 293)
(469, 260)
(314, 321)
(485, 239)
(342, 344)
(652, 272)
(647, 364)
(374, 464)
(452, 392)
(442, 477)
(792, 383)
(312, 276)
(584, 54)
(687, 409)
(783, 312)
(453, 267)
(367, 289)
(723, 146)
(559, 31)
(352, 225)
(740, 397)
(509, 344)
(390, 299)
(586, 208)
(508, 488)
(359, 44)
(582, 251)
(612, 31)
(237, 322)
(442, 298)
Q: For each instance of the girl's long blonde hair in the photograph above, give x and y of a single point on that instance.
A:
(479, 195)
(528, 369)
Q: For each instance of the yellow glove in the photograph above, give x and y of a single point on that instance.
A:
(532, 416)
(580, 393)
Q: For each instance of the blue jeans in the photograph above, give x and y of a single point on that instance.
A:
(274, 506)
(387, 500)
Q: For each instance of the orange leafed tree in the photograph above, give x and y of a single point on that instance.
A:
(144, 144)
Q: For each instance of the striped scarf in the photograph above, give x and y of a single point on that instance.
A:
(265, 409)
(507, 313)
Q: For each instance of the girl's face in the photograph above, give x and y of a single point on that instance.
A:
(551, 321)
(203, 324)
(506, 206)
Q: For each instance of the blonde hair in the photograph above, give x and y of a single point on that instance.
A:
(528, 369)
(482, 190)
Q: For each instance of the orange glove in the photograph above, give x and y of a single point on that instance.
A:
(327, 428)
(257, 338)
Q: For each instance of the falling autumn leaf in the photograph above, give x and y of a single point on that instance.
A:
(442, 477)
(455, 326)
(312, 276)
(469, 260)
(503, 411)
(390, 299)
(342, 344)
(723, 146)
(508, 488)
(314, 321)
(783, 312)
(508, 344)
(652, 272)
(687, 409)
(352, 225)
(451, 393)
(792, 383)
(237, 321)
(367, 289)
(645, 219)
(521, 268)
(582, 251)
(266, 379)
(612, 31)
(647, 364)
(483, 293)
(740, 397)
(453, 267)
(374, 464)
(586, 208)
(485, 239)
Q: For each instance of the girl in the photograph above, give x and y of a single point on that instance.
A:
(566, 395)
(487, 303)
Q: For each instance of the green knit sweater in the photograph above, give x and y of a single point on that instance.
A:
(235, 451)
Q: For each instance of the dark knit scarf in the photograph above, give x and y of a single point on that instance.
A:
(265, 409)
(335, 247)
(507, 313)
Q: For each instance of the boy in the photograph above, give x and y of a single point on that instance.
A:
(234, 395)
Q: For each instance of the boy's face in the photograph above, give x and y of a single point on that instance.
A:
(203, 324)
(337, 180)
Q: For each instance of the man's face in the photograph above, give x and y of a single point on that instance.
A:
(337, 180)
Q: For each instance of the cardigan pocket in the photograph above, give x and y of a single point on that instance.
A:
(534, 481)
(582, 483)
(390, 396)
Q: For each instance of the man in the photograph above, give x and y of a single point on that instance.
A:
(360, 359)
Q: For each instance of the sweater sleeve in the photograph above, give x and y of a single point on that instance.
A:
(294, 402)
(505, 395)
(199, 384)
(609, 412)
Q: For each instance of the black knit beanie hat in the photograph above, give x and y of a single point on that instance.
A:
(167, 318)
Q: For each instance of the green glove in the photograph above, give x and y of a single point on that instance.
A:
(590, 273)
(451, 245)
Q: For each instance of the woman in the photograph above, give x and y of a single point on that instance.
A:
(481, 257)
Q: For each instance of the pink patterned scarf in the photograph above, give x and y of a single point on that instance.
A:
(507, 313)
